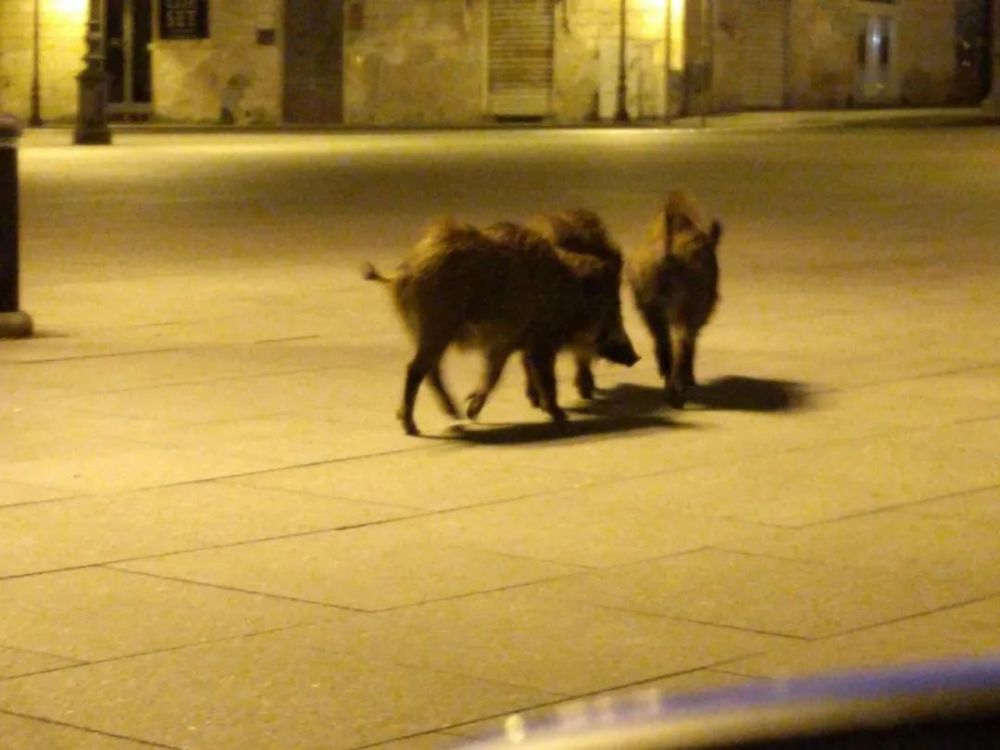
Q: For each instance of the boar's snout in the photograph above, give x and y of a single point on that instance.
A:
(619, 351)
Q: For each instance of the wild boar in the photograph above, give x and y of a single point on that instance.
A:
(578, 231)
(675, 280)
(502, 289)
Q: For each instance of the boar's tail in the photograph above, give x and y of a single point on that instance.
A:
(370, 273)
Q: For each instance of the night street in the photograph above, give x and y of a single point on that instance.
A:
(215, 535)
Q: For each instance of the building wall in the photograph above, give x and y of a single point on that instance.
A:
(194, 79)
(587, 35)
(823, 56)
(61, 49)
(822, 68)
(927, 63)
(425, 61)
(413, 62)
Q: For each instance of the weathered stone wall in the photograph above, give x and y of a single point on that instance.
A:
(416, 62)
(60, 57)
(822, 67)
(926, 62)
(823, 61)
(587, 34)
(192, 79)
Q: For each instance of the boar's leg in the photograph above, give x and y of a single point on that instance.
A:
(530, 388)
(424, 361)
(496, 358)
(687, 359)
(584, 376)
(447, 403)
(683, 364)
(656, 321)
(542, 363)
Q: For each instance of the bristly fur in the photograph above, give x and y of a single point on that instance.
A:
(501, 289)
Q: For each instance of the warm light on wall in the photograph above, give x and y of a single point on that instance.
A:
(676, 30)
(66, 7)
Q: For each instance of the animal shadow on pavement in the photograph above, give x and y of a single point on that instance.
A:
(619, 410)
(730, 393)
(738, 393)
(542, 432)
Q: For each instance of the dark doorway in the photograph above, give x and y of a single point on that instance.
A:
(128, 31)
(314, 61)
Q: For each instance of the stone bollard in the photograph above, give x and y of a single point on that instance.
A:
(13, 322)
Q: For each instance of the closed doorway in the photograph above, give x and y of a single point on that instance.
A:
(762, 54)
(314, 62)
(520, 58)
(128, 31)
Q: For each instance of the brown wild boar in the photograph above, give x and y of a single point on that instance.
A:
(502, 289)
(675, 280)
(578, 231)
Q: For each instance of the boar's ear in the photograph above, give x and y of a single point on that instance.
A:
(669, 229)
(714, 233)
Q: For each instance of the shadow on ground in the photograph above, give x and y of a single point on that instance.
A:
(543, 432)
(627, 408)
(732, 393)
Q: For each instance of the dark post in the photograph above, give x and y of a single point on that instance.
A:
(92, 105)
(13, 322)
(621, 111)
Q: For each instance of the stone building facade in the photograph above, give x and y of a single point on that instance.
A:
(459, 62)
(60, 49)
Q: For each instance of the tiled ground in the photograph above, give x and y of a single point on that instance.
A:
(214, 535)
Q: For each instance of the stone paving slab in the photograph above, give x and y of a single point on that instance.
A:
(800, 599)
(964, 631)
(370, 568)
(27, 733)
(259, 692)
(596, 526)
(115, 614)
(99, 529)
(524, 637)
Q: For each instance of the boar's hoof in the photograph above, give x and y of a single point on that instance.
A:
(585, 385)
(476, 401)
(558, 415)
(675, 396)
(532, 393)
(407, 419)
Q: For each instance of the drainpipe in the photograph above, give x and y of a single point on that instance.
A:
(991, 104)
(621, 112)
(35, 119)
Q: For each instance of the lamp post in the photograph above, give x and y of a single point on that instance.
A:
(35, 119)
(621, 110)
(92, 102)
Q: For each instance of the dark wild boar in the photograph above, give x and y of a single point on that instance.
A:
(502, 289)
(675, 280)
(578, 231)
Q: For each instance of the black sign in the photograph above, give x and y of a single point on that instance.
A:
(183, 19)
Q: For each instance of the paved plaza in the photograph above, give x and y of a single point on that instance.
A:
(214, 535)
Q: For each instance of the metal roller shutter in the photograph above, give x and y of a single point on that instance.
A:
(762, 59)
(520, 52)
